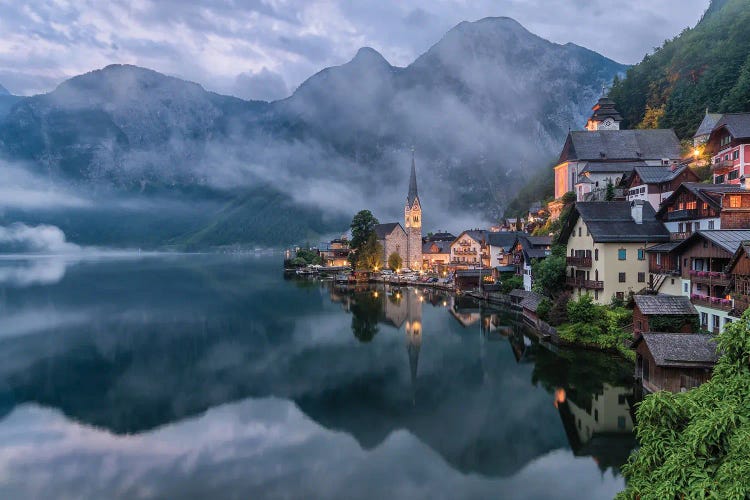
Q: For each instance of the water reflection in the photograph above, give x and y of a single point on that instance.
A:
(165, 351)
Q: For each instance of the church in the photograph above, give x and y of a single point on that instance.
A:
(405, 240)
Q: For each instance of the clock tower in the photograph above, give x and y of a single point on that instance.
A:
(413, 222)
(604, 116)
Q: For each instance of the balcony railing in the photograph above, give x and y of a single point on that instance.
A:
(723, 164)
(662, 269)
(710, 277)
(712, 302)
(582, 283)
(679, 236)
(691, 213)
(578, 261)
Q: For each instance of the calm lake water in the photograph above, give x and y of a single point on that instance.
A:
(213, 376)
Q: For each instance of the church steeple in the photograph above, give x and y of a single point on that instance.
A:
(604, 116)
(413, 193)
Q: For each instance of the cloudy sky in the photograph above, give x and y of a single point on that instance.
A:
(265, 48)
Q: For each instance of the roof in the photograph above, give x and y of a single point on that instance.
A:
(710, 193)
(531, 301)
(473, 273)
(518, 293)
(505, 239)
(728, 239)
(476, 234)
(612, 221)
(413, 194)
(667, 305)
(738, 124)
(707, 124)
(680, 349)
(605, 108)
(655, 175)
(744, 248)
(505, 269)
(633, 145)
(441, 237)
(442, 246)
(611, 167)
(383, 230)
(664, 247)
(542, 241)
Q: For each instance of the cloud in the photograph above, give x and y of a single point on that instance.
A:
(44, 42)
(26, 273)
(264, 85)
(19, 237)
(21, 189)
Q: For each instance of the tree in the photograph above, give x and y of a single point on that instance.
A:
(697, 444)
(549, 275)
(362, 225)
(394, 261)
(369, 255)
(610, 194)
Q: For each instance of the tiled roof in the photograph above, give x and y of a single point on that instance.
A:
(728, 239)
(634, 145)
(710, 193)
(477, 234)
(531, 301)
(707, 125)
(738, 124)
(611, 167)
(442, 247)
(382, 230)
(681, 349)
(612, 221)
(503, 239)
(668, 305)
(442, 237)
(540, 240)
(654, 175)
(664, 247)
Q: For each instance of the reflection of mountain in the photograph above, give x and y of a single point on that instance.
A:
(170, 338)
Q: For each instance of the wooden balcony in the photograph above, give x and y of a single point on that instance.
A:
(582, 283)
(723, 165)
(712, 302)
(663, 269)
(679, 236)
(578, 261)
(684, 214)
(712, 278)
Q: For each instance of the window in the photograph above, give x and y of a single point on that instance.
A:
(719, 179)
(620, 295)
(685, 288)
(621, 399)
(641, 277)
(696, 226)
(710, 224)
(733, 175)
(658, 259)
(680, 228)
(621, 277)
(704, 319)
(596, 415)
(641, 254)
(645, 369)
(596, 254)
(640, 324)
(622, 254)
(735, 154)
(716, 320)
(726, 140)
(735, 201)
(579, 231)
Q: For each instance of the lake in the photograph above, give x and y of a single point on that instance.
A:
(194, 376)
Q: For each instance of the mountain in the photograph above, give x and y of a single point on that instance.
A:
(7, 100)
(705, 67)
(484, 107)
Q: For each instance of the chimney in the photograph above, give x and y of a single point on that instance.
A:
(636, 211)
(745, 182)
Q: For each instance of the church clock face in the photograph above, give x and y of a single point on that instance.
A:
(607, 123)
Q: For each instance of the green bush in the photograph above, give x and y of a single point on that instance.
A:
(511, 283)
(543, 309)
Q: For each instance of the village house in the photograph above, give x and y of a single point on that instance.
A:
(528, 249)
(436, 255)
(591, 159)
(703, 260)
(656, 184)
(336, 254)
(729, 146)
(694, 206)
(739, 271)
(651, 311)
(674, 362)
(500, 249)
(606, 246)
(470, 250)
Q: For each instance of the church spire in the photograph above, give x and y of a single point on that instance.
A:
(413, 194)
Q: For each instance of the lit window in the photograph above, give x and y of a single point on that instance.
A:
(735, 201)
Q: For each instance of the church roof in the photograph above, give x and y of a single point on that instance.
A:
(383, 230)
(413, 194)
(620, 145)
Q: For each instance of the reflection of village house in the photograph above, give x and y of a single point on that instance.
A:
(674, 361)
(599, 425)
(603, 154)
(606, 246)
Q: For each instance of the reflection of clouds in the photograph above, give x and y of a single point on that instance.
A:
(38, 320)
(32, 272)
(263, 448)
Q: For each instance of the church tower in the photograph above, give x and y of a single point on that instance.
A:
(413, 222)
(604, 116)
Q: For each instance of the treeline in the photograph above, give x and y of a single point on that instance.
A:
(707, 66)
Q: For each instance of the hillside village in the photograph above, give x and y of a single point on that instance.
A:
(638, 228)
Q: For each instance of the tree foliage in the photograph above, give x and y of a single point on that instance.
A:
(549, 275)
(394, 261)
(593, 324)
(697, 444)
(362, 225)
(368, 256)
(514, 282)
(707, 66)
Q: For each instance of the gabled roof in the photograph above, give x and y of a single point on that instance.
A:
(738, 124)
(743, 249)
(707, 124)
(667, 305)
(441, 237)
(664, 247)
(622, 145)
(611, 167)
(680, 349)
(383, 230)
(504, 239)
(710, 193)
(479, 235)
(413, 194)
(442, 247)
(728, 239)
(539, 241)
(612, 221)
(656, 175)
(531, 301)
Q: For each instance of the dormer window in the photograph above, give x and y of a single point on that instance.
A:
(726, 140)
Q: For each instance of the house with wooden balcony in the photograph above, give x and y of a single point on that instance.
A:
(729, 145)
(470, 250)
(655, 184)
(696, 206)
(703, 260)
(606, 245)
(738, 271)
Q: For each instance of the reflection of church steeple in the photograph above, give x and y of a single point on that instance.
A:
(414, 337)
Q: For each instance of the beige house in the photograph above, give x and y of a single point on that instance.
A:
(606, 247)
(469, 248)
